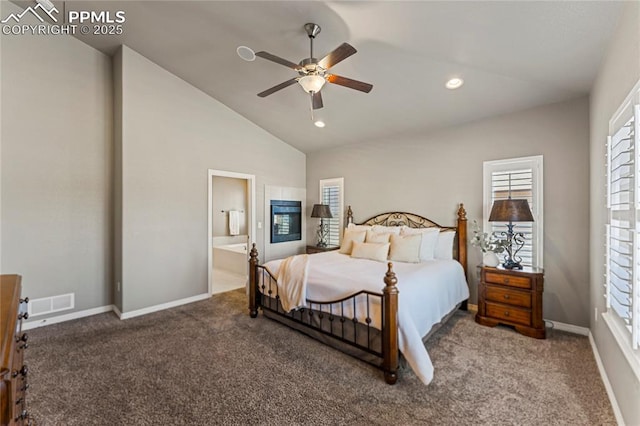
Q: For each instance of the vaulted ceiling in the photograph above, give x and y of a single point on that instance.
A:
(511, 55)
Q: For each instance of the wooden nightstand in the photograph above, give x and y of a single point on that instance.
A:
(512, 297)
(316, 249)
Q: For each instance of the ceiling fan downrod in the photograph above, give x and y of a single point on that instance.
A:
(312, 31)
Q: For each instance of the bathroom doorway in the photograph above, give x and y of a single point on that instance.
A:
(231, 227)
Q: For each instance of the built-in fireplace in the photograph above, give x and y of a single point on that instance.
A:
(286, 218)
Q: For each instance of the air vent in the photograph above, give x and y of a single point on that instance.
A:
(48, 305)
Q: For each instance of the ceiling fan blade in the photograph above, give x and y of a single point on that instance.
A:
(341, 53)
(278, 87)
(351, 84)
(278, 60)
(316, 101)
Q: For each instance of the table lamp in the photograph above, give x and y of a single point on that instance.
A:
(511, 210)
(323, 211)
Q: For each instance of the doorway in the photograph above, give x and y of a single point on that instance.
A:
(231, 228)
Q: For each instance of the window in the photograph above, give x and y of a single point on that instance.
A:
(332, 193)
(622, 255)
(517, 178)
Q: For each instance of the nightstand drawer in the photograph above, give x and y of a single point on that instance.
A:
(510, 280)
(509, 313)
(508, 296)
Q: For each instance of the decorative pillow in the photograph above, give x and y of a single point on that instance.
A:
(386, 229)
(358, 227)
(377, 237)
(371, 251)
(349, 236)
(405, 248)
(444, 245)
(429, 240)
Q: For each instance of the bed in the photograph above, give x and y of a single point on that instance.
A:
(341, 303)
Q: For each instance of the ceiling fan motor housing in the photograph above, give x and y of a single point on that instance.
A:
(311, 66)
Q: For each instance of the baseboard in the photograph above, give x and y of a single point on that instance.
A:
(163, 306)
(569, 328)
(472, 308)
(117, 311)
(28, 325)
(605, 380)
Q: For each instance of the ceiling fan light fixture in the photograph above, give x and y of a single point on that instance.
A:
(312, 83)
(454, 83)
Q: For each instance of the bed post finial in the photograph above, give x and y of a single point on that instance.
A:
(349, 215)
(253, 281)
(462, 213)
(390, 326)
(390, 277)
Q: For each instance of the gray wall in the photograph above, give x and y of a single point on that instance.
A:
(430, 174)
(172, 133)
(56, 167)
(229, 194)
(619, 72)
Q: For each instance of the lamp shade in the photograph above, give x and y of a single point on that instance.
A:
(322, 211)
(511, 211)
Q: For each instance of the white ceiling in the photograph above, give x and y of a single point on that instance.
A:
(512, 55)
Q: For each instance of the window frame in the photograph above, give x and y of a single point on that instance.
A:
(536, 164)
(630, 108)
(339, 182)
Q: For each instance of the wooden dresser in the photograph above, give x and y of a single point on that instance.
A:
(13, 370)
(512, 297)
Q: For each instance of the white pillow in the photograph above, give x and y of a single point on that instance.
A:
(405, 248)
(377, 237)
(386, 229)
(444, 245)
(358, 227)
(429, 240)
(371, 251)
(349, 236)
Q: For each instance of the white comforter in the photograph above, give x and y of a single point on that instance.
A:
(428, 292)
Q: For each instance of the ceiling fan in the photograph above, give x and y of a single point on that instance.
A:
(313, 73)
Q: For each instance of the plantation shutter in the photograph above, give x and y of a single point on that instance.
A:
(331, 194)
(517, 184)
(623, 245)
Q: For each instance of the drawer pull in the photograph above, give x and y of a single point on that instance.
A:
(506, 313)
(506, 280)
(506, 296)
(24, 371)
(23, 415)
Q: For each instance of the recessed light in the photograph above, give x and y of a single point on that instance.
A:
(319, 123)
(246, 53)
(454, 83)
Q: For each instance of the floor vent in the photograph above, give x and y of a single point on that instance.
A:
(48, 305)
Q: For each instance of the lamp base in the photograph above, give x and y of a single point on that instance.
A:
(510, 264)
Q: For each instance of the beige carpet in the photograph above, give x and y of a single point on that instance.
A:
(208, 363)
